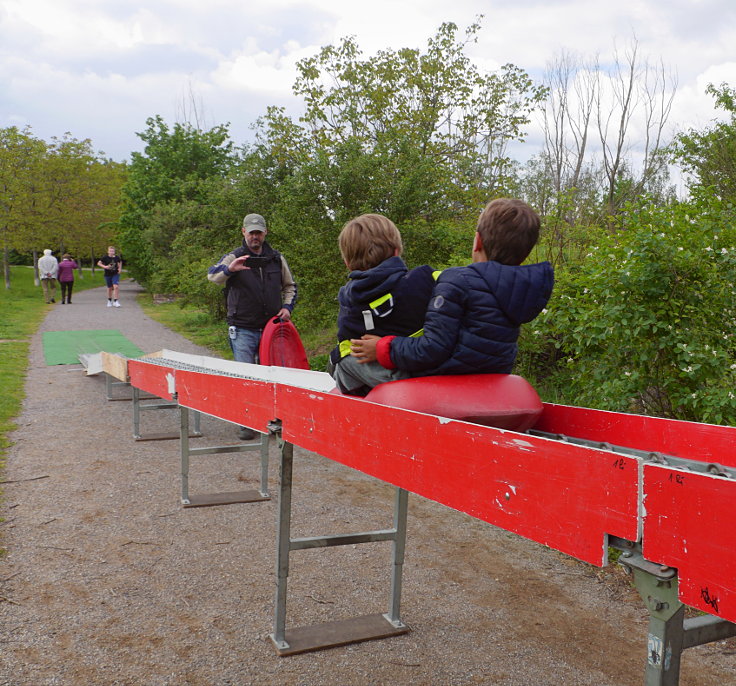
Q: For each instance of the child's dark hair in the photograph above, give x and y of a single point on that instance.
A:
(368, 240)
(508, 229)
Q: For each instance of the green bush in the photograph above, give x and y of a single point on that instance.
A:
(645, 322)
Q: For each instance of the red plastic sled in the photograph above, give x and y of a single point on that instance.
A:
(505, 401)
(281, 346)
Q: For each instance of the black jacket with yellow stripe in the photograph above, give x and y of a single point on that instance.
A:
(388, 299)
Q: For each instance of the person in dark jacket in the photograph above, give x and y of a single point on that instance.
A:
(381, 297)
(475, 313)
(258, 287)
(66, 278)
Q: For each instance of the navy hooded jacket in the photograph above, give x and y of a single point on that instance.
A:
(401, 314)
(473, 320)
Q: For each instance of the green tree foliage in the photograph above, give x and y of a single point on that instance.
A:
(420, 136)
(646, 321)
(58, 195)
(710, 155)
(21, 157)
(82, 197)
(177, 166)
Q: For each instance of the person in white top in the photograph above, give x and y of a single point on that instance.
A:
(48, 269)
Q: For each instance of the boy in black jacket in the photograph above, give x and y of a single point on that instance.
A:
(382, 297)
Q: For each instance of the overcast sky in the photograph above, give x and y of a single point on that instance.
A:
(99, 68)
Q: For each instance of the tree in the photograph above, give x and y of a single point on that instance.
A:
(175, 166)
(604, 129)
(710, 155)
(21, 158)
(646, 322)
(429, 120)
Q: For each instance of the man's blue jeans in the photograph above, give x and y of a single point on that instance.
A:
(244, 344)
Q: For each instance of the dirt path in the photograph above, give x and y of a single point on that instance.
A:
(108, 581)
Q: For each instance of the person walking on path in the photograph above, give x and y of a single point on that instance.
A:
(113, 265)
(258, 286)
(66, 278)
(48, 268)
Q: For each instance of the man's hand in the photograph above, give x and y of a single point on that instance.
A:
(364, 348)
(283, 314)
(238, 264)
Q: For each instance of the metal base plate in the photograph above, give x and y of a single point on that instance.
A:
(210, 499)
(339, 633)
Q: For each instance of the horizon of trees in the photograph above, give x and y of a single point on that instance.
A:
(642, 317)
(57, 195)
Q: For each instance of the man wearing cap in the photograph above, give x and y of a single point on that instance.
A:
(258, 286)
(48, 269)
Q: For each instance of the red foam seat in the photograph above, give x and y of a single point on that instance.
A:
(505, 401)
(281, 346)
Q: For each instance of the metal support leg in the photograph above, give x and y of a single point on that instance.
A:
(286, 451)
(265, 437)
(136, 412)
(110, 384)
(399, 546)
(230, 497)
(669, 632)
(341, 632)
(184, 447)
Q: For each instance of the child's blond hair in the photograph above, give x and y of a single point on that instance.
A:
(368, 240)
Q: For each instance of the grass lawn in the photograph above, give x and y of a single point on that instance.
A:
(196, 324)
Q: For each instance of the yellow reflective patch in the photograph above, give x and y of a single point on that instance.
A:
(344, 347)
(379, 301)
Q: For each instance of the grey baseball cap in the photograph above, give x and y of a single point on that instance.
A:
(254, 222)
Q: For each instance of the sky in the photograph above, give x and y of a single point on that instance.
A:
(99, 68)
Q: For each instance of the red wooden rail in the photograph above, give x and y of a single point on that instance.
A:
(569, 497)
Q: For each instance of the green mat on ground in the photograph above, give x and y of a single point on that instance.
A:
(65, 347)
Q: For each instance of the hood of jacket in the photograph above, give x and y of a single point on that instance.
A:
(365, 286)
(521, 292)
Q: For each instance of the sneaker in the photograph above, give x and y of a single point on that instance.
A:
(246, 434)
(109, 303)
(53, 300)
(116, 304)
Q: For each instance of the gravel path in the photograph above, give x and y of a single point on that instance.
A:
(108, 581)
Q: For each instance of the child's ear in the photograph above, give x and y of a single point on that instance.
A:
(477, 243)
(479, 253)
(396, 252)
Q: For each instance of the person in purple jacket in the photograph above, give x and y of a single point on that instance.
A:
(66, 278)
(475, 314)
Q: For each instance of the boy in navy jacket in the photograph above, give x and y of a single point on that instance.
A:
(474, 317)
(382, 297)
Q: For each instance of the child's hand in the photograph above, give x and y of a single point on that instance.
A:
(364, 348)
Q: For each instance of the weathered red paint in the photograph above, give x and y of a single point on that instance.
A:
(151, 378)
(241, 401)
(688, 524)
(564, 496)
(691, 440)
